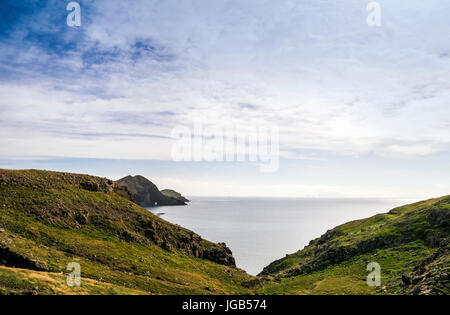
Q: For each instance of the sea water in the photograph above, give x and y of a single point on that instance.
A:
(261, 230)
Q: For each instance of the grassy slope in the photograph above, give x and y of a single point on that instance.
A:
(40, 220)
(52, 219)
(336, 262)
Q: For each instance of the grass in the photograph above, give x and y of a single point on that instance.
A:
(336, 262)
(349, 277)
(51, 219)
(38, 223)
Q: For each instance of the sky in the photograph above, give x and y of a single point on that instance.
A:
(361, 111)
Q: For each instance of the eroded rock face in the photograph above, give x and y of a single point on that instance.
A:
(10, 258)
(431, 276)
(146, 194)
(440, 216)
(188, 242)
(220, 254)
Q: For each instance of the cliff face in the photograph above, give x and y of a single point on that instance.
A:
(48, 219)
(146, 194)
(432, 275)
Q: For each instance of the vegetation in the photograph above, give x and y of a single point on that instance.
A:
(50, 219)
(404, 242)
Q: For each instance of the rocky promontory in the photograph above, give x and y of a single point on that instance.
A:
(173, 194)
(146, 194)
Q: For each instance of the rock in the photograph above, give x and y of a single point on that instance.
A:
(90, 186)
(82, 218)
(441, 216)
(433, 238)
(431, 275)
(220, 254)
(406, 280)
(11, 258)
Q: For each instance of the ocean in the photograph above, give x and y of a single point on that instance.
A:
(261, 230)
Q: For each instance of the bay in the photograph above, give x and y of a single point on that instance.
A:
(261, 230)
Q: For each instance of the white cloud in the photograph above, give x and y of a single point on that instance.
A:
(313, 68)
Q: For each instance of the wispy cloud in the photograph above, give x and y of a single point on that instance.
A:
(314, 68)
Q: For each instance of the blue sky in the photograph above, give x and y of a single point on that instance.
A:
(362, 111)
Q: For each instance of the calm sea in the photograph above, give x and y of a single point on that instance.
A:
(261, 230)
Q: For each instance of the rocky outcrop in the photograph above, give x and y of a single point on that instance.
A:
(146, 194)
(10, 258)
(441, 216)
(431, 276)
(190, 243)
(220, 254)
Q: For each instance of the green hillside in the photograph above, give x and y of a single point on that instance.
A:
(50, 219)
(410, 243)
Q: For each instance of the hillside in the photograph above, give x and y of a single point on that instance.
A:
(146, 194)
(49, 219)
(410, 243)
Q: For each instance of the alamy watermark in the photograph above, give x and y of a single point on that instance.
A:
(374, 277)
(74, 278)
(258, 144)
(74, 17)
(374, 17)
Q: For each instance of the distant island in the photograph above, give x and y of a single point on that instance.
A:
(147, 194)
